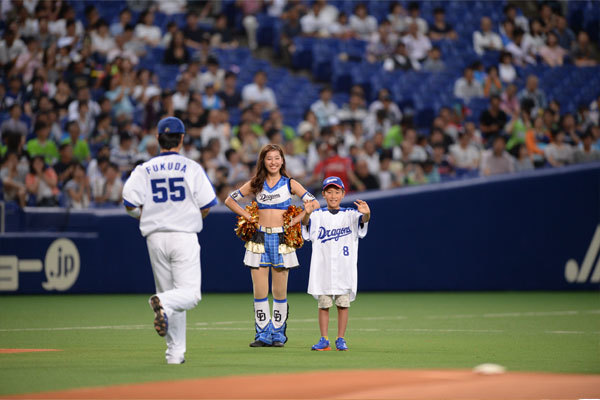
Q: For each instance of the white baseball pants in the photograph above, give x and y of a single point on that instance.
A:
(175, 259)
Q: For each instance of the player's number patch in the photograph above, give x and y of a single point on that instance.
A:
(161, 191)
(346, 250)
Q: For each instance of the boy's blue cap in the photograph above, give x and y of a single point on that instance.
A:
(170, 125)
(335, 181)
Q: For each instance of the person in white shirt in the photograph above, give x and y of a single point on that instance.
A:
(145, 29)
(324, 108)
(362, 23)
(467, 87)
(384, 101)
(397, 17)
(485, 39)
(314, 23)
(181, 97)
(463, 154)
(258, 92)
(102, 41)
(518, 50)
(214, 129)
(417, 44)
(213, 75)
(415, 17)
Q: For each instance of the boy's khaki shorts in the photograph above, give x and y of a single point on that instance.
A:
(341, 300)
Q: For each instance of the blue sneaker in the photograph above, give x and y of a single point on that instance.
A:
(263, 337)
(340, 344)
(161, 322)
(323, 345)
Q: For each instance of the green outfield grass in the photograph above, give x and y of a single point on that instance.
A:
(110, 340)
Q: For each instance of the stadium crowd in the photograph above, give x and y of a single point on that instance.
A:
(79, 107)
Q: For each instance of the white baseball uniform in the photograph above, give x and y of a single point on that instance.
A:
(172, 190)
(333, 264)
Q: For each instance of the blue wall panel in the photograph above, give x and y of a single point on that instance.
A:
(514, 232)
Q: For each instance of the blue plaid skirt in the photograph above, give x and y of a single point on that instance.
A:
(271, 256)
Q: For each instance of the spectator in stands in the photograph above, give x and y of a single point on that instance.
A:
(536, 140)
(434, 62)
(569, 127)
(517, 48)
(534, 39)
(14, 123)
(314, 23)
(192, 32)
(230, 95)
(583, 52)
(221, 35)
(102, 41)
(182, 96)
(85, 121)
(42, 145)
(81, 149)
(586, 153)
(440, 29)
(210, 100)
(62, 98)
(546, 16)
(417, 44)
(381, 43)
(565, 35)
(189, 149)
(485, 40)
(289, 30)
(83, 95)
(78, 189)
(146, 31)
(10, 46)
(511, 13)
(335, 165)
(215, 129)
(258, 92)
(324, 108)
(41, 183)
(363, 24)
(119, 92)
(519, 124)
(463, 154)
(492, 120)
(414, 16)
(29, 60)
(236, 170)
(533, 93)
(492, 86)
(496, 160)
(467, 87)
(559, 153)
(32, 96)
(64, 167)
(250, 8)
(552, 54)
(367, 179)
(177, 53)
(371, 156)
(13, 179)
(401, 60)
(111, 187)
(384, 102)
(354, 110)
(213, 74)
(594, 111)
(118, 27)
(523, 160)
(14, 94)
(124, 155)
(397, 17)
(507, 29)
(510, 101)
(411, 151)
(341, 28)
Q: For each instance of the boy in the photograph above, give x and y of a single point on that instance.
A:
(334, 232)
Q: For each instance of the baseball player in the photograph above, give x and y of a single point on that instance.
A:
(273, 189)
(170, 195)
(334, 232)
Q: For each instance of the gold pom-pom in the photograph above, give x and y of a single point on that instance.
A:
(246, 229)
(292, 233)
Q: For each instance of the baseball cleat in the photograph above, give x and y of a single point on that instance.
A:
(161, 322)
(340, 344)
(278, 336)
(263, 336)
(323, 345)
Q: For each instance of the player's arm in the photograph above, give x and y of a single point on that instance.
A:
(232, 201)
(133, 194)
(135, 212)
(309, 207)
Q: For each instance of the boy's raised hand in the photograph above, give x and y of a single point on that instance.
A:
(362, 207)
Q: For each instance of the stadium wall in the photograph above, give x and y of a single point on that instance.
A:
(532, 231)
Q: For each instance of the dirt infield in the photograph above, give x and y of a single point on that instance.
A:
(353, 384)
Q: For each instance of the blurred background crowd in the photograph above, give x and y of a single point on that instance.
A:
(382, 93)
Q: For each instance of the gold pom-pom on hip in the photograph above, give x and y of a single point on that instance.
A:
(292, 233)
(246, 229)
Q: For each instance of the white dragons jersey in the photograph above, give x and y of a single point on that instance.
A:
(333, 264)
(171, 190)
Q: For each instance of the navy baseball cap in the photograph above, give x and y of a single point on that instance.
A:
(170, 125)
(335, 181)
